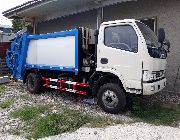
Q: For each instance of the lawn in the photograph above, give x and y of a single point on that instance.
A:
(155, 113)
(56, 123)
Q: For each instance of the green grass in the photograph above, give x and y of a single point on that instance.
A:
(2, 88)
(68, 120)
(28, 113)
(54, 124)
(25, 97)
(6, 103)
(58, 123)
(102, 121)
(16, 132)
(155, 113)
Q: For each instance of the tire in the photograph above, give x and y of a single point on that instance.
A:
(34, 83)
(111, 98)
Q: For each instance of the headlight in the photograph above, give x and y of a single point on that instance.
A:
(149, 76)
(158, 74)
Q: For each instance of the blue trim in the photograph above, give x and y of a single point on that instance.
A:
(73, 32)
(52, 67)
(76, 49)
(23, 55)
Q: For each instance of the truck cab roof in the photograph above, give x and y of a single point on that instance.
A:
(118, 21)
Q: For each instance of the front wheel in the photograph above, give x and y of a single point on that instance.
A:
(111, 98)
(34, 83)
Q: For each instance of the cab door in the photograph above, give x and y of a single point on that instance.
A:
(118, 51)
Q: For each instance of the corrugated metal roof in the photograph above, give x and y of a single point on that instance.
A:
(44, 10)
(21, 7)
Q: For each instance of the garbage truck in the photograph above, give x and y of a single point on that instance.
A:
(122, 56)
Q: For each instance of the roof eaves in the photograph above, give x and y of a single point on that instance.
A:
(99, 3)
(22, 7)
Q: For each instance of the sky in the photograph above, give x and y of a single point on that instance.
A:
(5, 5)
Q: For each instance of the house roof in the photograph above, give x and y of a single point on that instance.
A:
(31, 3)
(43, 10)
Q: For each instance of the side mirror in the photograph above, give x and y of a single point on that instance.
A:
(161, 35)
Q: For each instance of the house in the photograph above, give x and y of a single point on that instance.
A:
(5, 32)
(57, 15)
(6, 29)
(5, 37)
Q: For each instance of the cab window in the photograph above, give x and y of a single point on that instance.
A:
(121, 37)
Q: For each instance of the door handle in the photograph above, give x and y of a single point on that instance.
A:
(104, 60)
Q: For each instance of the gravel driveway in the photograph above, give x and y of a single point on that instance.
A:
(128, 131)
(136, 131)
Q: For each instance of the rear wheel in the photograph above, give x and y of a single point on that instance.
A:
(111, 98)
(34, 83)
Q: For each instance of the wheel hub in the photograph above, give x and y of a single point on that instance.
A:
(110, 99)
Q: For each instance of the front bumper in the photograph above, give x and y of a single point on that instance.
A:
(154, 87)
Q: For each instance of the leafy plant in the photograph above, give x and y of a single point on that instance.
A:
(20, 24)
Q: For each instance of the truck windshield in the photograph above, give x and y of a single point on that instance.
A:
(149, 35)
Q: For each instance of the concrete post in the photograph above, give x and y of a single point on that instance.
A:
(34, 26)
(100, 16)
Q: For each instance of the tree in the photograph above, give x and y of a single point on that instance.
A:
(20, 24)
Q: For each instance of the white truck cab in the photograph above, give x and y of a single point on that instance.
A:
(130, 50)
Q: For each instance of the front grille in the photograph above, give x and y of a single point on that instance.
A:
(158, 74)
